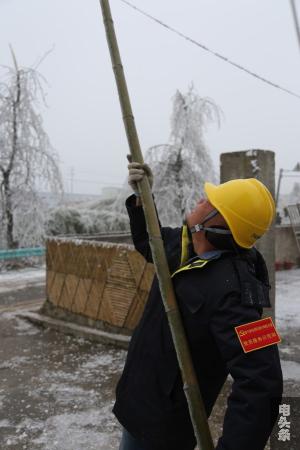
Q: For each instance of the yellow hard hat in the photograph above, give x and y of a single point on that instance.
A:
(246, 205)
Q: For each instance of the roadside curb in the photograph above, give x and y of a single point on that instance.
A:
(92, 334)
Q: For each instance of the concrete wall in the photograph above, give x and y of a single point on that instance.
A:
(258, 164)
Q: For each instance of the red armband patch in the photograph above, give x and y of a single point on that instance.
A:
(258, 334)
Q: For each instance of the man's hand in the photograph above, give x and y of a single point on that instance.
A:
(136, 172)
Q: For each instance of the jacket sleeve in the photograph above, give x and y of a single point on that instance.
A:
(252, 406)
(140, 235)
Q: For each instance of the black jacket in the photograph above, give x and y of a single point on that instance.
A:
(150, 402)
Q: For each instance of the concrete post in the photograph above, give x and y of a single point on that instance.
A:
(258, 164)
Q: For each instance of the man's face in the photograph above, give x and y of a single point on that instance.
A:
(198, 214)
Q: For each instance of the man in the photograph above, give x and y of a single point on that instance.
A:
(220, 282)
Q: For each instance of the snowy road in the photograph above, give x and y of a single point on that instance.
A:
(57, 391)
(21, 279)
(22, 287)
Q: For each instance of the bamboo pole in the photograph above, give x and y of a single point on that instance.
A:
(190, 383)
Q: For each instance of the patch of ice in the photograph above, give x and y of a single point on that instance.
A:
(4, 366)
(5, 424)
(98, 361)
(22, 436)
(66, 394)
(58, 375)
(11, 441)
(29, 425)
(114, 361)
(24, 327)
(80, 340)
(15, 362)
(8, 315)
(21, 432)
(83, 429)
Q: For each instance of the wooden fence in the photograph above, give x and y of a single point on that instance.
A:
(105, 282)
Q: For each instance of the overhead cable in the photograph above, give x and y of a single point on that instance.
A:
(218, 55)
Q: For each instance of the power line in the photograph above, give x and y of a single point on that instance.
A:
(218, 55)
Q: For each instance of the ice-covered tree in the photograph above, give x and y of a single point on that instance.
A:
(84, 218)
(28, 163)
(180, 167)
(183, 165)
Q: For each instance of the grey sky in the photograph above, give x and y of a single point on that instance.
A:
(83, 119)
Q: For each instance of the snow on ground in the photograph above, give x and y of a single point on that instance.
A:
(57, 391)
(290, 370)
(288, 322)
(288, 299)
(20, 279)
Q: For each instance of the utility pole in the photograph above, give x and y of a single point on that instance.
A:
(278, 187)
(72, 180)
(296, 21)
